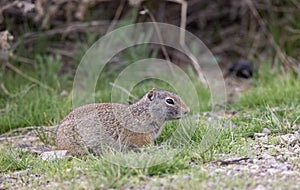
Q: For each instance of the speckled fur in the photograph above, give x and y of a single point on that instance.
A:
(118, 126)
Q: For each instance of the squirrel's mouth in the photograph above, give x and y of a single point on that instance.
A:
(182, 115)
(176, 118)
(185, 112)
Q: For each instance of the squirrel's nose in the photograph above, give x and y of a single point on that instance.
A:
(187, 110)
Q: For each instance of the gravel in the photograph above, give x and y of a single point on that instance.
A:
(273, 162)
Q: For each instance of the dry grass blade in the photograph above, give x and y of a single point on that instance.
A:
(116, 17)
(163, 48)
(182, 39)
(184, 6)
(21, 59)
(18, 71)
(231, 160)
(63, 30)
(124, 90)
(26, 130)
(158, 32)
(9, 5)
(5, 91)
(286, 61)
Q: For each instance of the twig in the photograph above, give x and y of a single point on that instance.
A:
(183, 21)
(293, 30)
(27, 77)
(231, 160)
(116, 17)
(21, 59)
(163, 48)
(282, 56)
(8, 6)
(27, 129)
(124, 90)
(61, 52)
(182, 40)
(76, 26)
(22, 94)
(11, 138)
(4, 89)
(183, 18)
(27, 90)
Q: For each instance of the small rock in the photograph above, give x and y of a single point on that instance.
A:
(11, 179)
(267, 156)
(273, 171)
(296, 149)
(64, 93)
(281, 158)
(186, 177)
(295, 126)
(289, 173)
(283, 167)
(266, 131)
(289, 138)
(259, 187)
(256, 161)
(220, 171)
(53, 155)
(258, 135)
(22, 172)
(261, 137)
(254, 167)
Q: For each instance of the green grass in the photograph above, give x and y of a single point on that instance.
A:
(273, 102)
(26, 103)
(273, 89)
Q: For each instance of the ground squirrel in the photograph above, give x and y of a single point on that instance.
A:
(118, 126)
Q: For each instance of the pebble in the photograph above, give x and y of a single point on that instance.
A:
(289, 173)
(260, 187)
(268, 160)
(53, 155)
(266, 131)
(258, 135)
(289, 138)
(273, 171)
(64, 93)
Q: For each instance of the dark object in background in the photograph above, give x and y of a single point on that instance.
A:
(242, 69)
(238, 78)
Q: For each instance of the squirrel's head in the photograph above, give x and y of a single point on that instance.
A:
(166, 105)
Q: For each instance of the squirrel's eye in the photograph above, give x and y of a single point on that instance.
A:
(169, 101)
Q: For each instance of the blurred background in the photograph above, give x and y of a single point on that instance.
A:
(43, 41)
(235, 29)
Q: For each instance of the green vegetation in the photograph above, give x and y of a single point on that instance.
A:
(38, 93)
(27, 104)
(273, 102)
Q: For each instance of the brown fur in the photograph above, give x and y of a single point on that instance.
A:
(110, 125)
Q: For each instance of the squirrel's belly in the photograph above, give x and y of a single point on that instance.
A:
(140, 139)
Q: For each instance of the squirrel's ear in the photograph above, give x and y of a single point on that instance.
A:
(150, 95)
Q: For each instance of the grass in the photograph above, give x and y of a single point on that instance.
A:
(28, 104)
(273, 90)
(273, 102)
